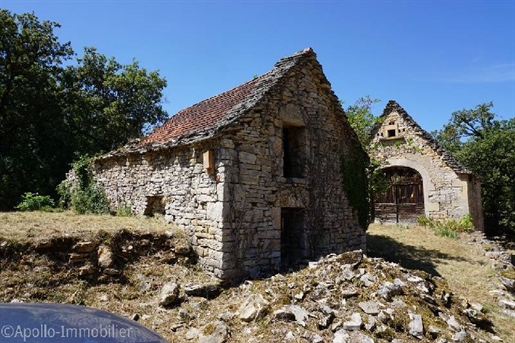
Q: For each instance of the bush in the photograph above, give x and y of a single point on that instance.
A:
(35, 202)
(444, 231)
(86, 196)
(124, 210)
(449, 227)
(90, 200)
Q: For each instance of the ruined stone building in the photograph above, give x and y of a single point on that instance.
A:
(425, 179)
(256, 176)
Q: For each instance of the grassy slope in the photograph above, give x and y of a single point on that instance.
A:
(461, 262)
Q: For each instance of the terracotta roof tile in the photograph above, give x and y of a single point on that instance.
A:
(221, 109)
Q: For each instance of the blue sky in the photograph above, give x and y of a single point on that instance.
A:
(433, 57)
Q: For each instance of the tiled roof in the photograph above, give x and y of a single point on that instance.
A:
(208, 116)
(452, 162)
(202, 115)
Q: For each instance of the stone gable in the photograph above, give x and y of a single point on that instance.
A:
(257, 184)
(447, 189)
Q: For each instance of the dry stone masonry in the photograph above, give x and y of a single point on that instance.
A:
(252, 175)
(447, 189)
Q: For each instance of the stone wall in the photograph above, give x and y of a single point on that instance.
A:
(447, 193)
(192, 198)
(258, 190)
(233, 212)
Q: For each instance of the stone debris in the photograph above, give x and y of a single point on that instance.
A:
(105, 257)
(254, 307)
(169, 294)
(416, 327)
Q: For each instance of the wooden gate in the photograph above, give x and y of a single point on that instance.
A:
(403, 201)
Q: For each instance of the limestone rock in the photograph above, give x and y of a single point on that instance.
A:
(254, 307)
(508, 283)
(387, 289)
(214, 332)
(354, 323)
(416, 327)
(208, 291)
(169, 295)
(369, 307)
(105, 257)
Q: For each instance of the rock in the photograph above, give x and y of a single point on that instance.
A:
(292, 312)
(354, 323)
(348, 274)
(192, 333)
(416, 327)
(182, 248)
(460, 336)
(214, 332)
(341, 336)
(84, 247)
(453, 323)
(371, 323)
(112, 272)
(433, 331)
(369, 307)
(105, 257)
(289, 336)
(169, 295)
(325, 321)
(387, 289)
(507, 304)
(254, 307)
(349, 293)
(508, 283)
(368, 279)
(208, 291)
(87, 270)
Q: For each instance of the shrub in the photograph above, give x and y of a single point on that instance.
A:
(124, 210)
(444, 231)
(86, 196)
(449, 227)
(35, 202)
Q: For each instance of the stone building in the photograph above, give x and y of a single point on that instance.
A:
(255, 175)
(425, 179)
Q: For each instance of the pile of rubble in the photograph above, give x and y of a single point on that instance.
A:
(341, 298)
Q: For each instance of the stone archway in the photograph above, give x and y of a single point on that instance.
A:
(404, 199)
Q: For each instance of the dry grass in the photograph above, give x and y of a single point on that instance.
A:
(34, 226)
(462, 262)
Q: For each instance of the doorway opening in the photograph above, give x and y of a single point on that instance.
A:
(293, 236)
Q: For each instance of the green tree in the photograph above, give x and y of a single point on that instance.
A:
(51, 113)
(120, 101)
(30, 69)
(362, 120)
(486, 146)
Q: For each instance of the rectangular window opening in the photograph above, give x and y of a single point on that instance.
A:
(155, 205)
(391, 133)
(294, 150)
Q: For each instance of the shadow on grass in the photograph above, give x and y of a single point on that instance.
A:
(408, 256)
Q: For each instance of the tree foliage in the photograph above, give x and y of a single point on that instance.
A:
(486, 146)
(362, 120)
(53, 110)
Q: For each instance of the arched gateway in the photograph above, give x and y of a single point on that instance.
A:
(403, 200)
